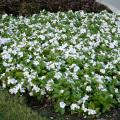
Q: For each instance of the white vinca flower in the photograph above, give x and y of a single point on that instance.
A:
(102, 71)
(91, 112)
(35, 88)
(58, 75)
(88, 88)
(61, 91)
(4, 40)
(85, 98)
(31, 93)
(83, 30)
(42, 37)
(74, 106)
(43, 92)
(13, 90)
(50, 65)
(12, 81)
(101, 87)
(116, 90)
(36, 63)
(62, 104)
(3, 85)
(49, 85)
(4, 16)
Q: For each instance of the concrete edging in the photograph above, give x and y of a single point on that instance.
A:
(113, 8)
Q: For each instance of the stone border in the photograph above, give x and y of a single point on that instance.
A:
(112, 8)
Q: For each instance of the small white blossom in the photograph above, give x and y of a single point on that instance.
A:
(74, 106)
(61, 91)
(101, 87)
(88, 88)
(116, 90)
(58, 75)
(91, 112)
(12, 81)
(42, 37)
(102, 71)
(85, 98)
(36, 63)
(4, 40)
(13, 90)
(62, 105)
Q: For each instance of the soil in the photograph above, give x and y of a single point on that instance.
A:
(28, 7)
(45, 109)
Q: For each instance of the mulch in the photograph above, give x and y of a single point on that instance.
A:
(45, 109)
(28, 7)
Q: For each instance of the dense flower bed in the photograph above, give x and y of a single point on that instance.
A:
(71, 59)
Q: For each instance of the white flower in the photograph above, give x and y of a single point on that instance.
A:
(91, 112)
(12, 81)
(20, 54)
(43, 77)
(6, 56)
(102, 71)
(86, 65)
(118, 72)
(24, 34)
(31, 93)
(42, 37)
(82, 13)
(22, 90)
(43, 92)
(4, 16)
(27, 60)
(74, 75)
(83, 30)
(4, 40)
(86, 76)
(101, 87)
(76, 68)
(5, 64)
(58, 75)
(83, 108)
(85, 98)
(116, 90)
(3, 85)
(112, 45)
(36, 63)
(61, 91)
(13, 90)
(74, 106)
(50, 65)
(35, 88)
(62, 104)
(88, 88)
(113, 30)
(26, 73)
(48, 85)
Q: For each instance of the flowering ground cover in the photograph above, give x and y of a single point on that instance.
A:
(70, 58)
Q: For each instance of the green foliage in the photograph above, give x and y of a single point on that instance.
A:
(14, 108)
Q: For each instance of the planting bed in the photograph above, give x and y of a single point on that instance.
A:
(69, 59)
